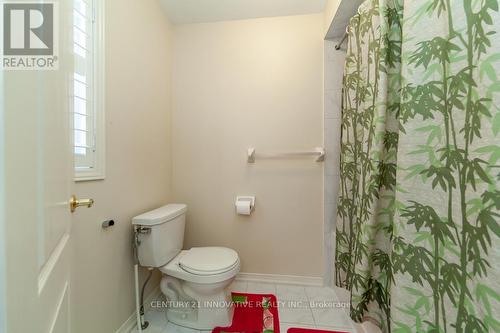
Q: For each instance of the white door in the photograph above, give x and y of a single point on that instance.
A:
(37, 183)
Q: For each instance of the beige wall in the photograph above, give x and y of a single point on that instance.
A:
(251, 83)
(330, 11)
(138, 164)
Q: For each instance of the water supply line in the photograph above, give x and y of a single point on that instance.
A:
(139, 298)
(137, 301)
(145, 324)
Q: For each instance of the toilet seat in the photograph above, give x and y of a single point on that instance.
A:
(209, 260)
(206, 273)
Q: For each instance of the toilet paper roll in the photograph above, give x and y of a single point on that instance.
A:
(243, 207)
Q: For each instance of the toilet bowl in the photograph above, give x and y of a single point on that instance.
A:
(194, 281)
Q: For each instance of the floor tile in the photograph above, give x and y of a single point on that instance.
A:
(334, 317)
(368, 327)
(359, 328)
(172, 328)
(157, 321)
(285, 326)
(291, 293)
(320, 294)
(261, 288)
(238, 287)
(299, 306)
(295, 314)
(343, 295)
(337, 329)
(156, 318)
(152, 329)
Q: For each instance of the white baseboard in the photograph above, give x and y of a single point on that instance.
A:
(281, 279)
(131, 322)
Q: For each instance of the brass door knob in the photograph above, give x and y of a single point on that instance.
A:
(74, 203)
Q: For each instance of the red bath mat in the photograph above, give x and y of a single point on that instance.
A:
(307, 330)
(253, 313)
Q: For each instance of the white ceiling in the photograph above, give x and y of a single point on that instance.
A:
(195, 11)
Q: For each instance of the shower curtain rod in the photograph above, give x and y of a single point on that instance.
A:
(339, 45)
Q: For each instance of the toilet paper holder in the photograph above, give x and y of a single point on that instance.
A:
(245, 200)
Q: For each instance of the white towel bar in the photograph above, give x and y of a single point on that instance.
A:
(319, 152)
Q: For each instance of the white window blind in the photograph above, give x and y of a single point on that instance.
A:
(87, 91)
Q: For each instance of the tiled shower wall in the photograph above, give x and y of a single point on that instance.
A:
(334, 67)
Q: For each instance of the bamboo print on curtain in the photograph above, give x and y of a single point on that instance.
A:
(418, 245)
(368, 158)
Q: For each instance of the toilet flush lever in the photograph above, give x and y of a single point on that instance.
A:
(74, 203)
(143, 230)
(140, 230)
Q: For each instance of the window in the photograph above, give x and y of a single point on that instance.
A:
(88, 89)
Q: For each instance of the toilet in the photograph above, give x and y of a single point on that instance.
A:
(194, 281)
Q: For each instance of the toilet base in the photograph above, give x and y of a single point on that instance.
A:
(198, 306)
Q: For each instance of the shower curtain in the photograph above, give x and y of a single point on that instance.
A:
(417, 236)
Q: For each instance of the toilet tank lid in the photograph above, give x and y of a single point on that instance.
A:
(160, 215)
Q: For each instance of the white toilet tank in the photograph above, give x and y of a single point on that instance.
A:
(161, 234)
